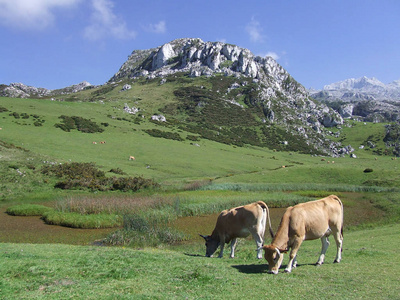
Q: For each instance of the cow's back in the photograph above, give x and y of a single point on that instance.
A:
(235, 222)
(313, 218)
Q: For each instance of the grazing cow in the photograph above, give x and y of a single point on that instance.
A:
(306, 221)
(131, 157)
(239, 222)
(94, 143)
(102, 142)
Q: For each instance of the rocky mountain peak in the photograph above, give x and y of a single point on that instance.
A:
(281, 98)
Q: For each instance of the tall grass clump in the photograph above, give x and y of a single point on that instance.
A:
(76, 220)
(28, 210)
(147, 229)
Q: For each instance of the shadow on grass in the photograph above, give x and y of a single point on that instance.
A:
(194, 255)
(251, 269)
(255, 269)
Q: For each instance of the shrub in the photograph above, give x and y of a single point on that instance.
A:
(117, 171)
(368, 170)
(79, 123)
(73, 170)
(87, 176)
(132, 183)
(164, 134)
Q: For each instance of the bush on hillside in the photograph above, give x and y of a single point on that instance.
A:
(164, 134)
(79, 123)
(87, 176)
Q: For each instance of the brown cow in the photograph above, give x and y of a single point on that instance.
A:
(306, 221)
(131, 157)
(239, 222)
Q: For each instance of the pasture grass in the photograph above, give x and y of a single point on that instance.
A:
(368, 271)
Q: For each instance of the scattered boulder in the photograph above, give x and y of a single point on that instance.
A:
(159, 118)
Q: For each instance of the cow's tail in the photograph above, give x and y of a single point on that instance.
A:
(341, 207)
(265, 207)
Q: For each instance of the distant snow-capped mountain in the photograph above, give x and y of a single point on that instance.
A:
(362, 88)
(365, 97)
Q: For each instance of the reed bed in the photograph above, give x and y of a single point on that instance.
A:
(112, 204)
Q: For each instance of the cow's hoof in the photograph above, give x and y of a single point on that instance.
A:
(319, 264)
(288, 271)
(336, 261)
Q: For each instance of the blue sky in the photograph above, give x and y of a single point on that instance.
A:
(57, 43)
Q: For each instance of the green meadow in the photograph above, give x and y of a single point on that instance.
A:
(144, 244)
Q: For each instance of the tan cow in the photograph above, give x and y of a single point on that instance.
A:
(239, 222)
(131, 157)
(306, 221)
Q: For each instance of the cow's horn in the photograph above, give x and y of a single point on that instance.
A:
(278, 254)
(203, 236)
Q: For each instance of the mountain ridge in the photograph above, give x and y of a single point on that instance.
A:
(365, 98)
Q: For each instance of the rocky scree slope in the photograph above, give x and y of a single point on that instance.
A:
(269, 87)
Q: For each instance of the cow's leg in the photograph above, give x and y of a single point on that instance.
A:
(258, 237)
(339, 244)
(293, 253)
(325, 245)
(222, 245)
(233, 247)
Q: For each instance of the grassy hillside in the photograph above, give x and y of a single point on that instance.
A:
(31, 139)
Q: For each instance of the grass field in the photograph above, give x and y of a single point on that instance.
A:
(197, 179)
(370, 269)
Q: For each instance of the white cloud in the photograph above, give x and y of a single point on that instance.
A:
(31, 14)
(254, 30)
(104, 23)
(274, 55)
(160, 27)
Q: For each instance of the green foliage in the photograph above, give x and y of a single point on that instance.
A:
(117, 171)
(73, 170)
(79, 123)
(164, 134)
(27, 210)
(134, 184)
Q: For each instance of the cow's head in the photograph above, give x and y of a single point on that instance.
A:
(274, 257)
(211, 245)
